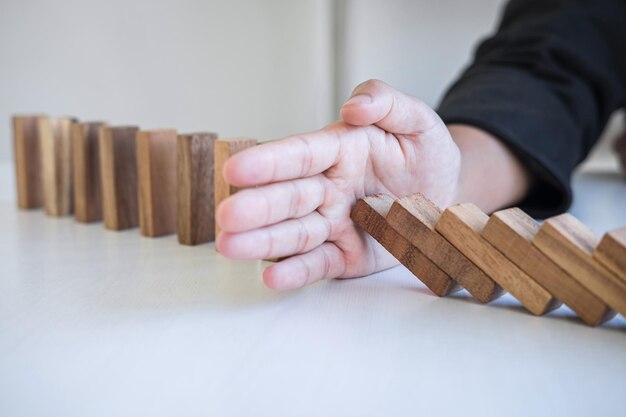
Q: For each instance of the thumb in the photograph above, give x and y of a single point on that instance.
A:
(377, 103)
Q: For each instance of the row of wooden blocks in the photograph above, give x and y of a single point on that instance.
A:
(543, 265)
(158, 180)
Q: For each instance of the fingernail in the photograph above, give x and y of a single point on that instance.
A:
(359, 99)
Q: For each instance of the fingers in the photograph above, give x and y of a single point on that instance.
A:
(376, 103)
(283, 239)
(257, 207)
(323, 262)
(293, 157)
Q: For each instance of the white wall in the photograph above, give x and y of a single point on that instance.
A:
(416, 46)
(241, 68)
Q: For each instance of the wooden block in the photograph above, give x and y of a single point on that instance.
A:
(27, 161)
(512, 232)
(118, 172)
(570, 244)
(224, 149)
(369, 213)
(156, 168)
(196, 202)
(414, 217)
(611, 252)
(86, 172)
(461, 225)
(55, 146)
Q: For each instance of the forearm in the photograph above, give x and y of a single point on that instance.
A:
(492, 177)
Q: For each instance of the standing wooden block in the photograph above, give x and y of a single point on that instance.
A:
(512, 232)
(86, 172)
(369, 213)
(118, 172)
(224, 149)
(55, 145)
(461, 225)
(196, 202)
(156, 165)
(27, 161)
(611, 252)
(570, 244)
(414, 217)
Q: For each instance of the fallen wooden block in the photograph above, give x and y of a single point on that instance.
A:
(461, 225)
(86, 172)
(224, 149)
(369, 213)
(156, 165)
(118, 171)
(196, 202)
(27, 161)
(55, 146)
(512, 231)
(570, 244)
(611, 252)
(414, 218)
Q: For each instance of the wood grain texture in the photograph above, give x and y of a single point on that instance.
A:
(156, 174)
(414, 217)
(461, 225)
(369, 213)
(512, 231)
(55, 145)
(27, 161)
(86, 172)
(118, 172)
(224, 149)
(611, 252)
(196, 177)
(570, 244)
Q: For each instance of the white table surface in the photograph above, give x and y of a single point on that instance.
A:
(100, 323)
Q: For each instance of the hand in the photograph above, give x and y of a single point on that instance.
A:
(304, 186)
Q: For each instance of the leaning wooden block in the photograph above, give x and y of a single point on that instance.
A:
(55, 145)
(414, 217)
(461, 225)
(512, 232)
(224, 149)
(156, 165)
(86, 172)
(570, 244)
(611, 252)
(118, 171)
(369, 213)
(27, 161)
(196, 202)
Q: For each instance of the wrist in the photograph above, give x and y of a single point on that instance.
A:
(491, 175)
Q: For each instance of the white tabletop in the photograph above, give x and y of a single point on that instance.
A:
(100, 323)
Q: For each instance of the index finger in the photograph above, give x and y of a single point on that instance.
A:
(293, 157)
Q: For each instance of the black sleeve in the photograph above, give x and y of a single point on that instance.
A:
(546, 84)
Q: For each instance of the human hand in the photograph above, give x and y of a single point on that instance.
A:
(304, 186)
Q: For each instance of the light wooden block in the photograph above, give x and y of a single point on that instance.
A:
(461, 225)
(224, 149)
(369, 213)
(86, 172)
(414, 217)
(27, 161)
(156, 165)
(512, 232)
(570, 244)
(55, 146)
(611, 252)
(196, 176)
(118, 172)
